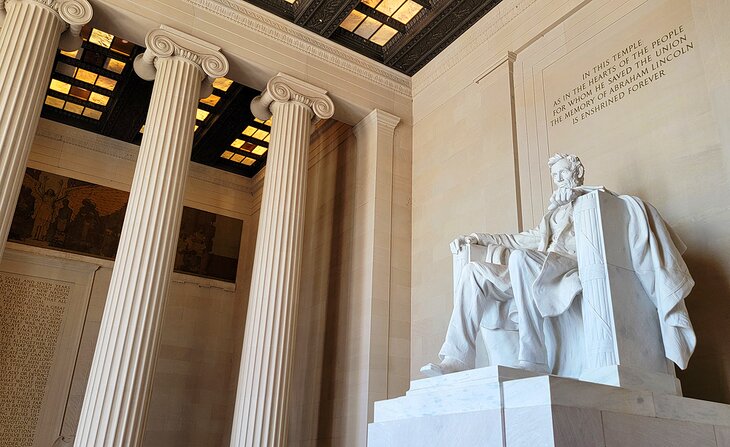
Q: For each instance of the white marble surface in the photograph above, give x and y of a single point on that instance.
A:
(545, 411)
(466, 391)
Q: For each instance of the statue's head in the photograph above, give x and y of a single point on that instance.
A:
(566, 170)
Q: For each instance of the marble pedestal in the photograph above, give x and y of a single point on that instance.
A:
(500, 406)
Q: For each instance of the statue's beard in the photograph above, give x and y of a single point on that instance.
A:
(571, 182)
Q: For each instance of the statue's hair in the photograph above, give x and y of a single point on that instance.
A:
(575, 163)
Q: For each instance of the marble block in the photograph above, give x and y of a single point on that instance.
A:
(507, 407)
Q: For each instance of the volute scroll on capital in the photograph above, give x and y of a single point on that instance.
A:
(74, 13)
(284, 88)
(168, 42)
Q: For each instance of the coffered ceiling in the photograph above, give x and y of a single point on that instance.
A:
(402, 34)
(95, 88)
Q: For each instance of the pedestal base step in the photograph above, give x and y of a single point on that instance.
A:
(499, 406)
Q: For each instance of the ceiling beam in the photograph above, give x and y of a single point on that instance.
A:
(377, 15)
(449, 19)
(324, 16)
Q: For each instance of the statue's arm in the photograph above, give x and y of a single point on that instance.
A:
(526, 240)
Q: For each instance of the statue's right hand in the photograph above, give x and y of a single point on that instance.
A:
(462, 240)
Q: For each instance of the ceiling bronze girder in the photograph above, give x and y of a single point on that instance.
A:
(323, 16)
(448, 21)
(377, 15)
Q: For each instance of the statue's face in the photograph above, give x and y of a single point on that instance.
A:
(563, 176)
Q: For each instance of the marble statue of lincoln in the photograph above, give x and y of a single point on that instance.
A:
(540, 280)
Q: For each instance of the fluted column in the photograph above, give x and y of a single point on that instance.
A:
(118, 391)
(28, 41)
(263, 384)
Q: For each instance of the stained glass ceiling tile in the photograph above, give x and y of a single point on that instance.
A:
(86, 75)
(211, 100)
(80, 93)
(226, 154)
(101, 38)
(406, 13)
(222, 84)
(354, 19)
(249, 130)
(55, 102)
(383, 35)
(367, 28)
(260, 134)
(371, 3)
(114, 65)
(66, 69)
(248, 161)
(98, 98)
(106, 83)
(248, 147)
(74, 108)
(237, 143)
(388, 7)
(201, 115)
(74, 54)
(267, 122)
(122, 46)
(237, 158)
(259, 150)
(91, 113)
(60, 87)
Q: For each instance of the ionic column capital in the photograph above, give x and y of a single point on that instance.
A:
(285, 88)
(168, 42)
(74, 13)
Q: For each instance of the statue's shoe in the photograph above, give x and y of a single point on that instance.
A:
(447, 366)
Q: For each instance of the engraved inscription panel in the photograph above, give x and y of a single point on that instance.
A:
(31, 317)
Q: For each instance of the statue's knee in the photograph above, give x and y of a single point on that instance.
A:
(517, 257)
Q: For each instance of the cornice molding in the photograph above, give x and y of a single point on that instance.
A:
(128, 152)
(490, 24)
(307, 42)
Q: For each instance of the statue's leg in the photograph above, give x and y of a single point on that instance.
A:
(524, 267)
(477, 299)
(502, 346)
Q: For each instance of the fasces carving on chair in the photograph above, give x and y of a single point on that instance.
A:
(595, 292)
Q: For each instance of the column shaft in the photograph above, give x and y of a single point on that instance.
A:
(263, 389)
(28, 41)
(117, 395)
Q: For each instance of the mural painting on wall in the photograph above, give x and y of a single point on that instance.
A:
(66, 214)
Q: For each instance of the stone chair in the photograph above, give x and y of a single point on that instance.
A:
(619, 340)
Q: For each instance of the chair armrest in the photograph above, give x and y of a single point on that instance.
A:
(467, 254)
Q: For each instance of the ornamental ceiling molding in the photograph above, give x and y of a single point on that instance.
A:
(320, 48)
(490, 24)
(127, 151)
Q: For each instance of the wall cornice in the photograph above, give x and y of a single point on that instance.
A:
(128, 152)
(308, 43)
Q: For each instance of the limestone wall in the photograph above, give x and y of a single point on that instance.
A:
(352, 342)
(194, 384)
(347, 326)
(638, 89)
